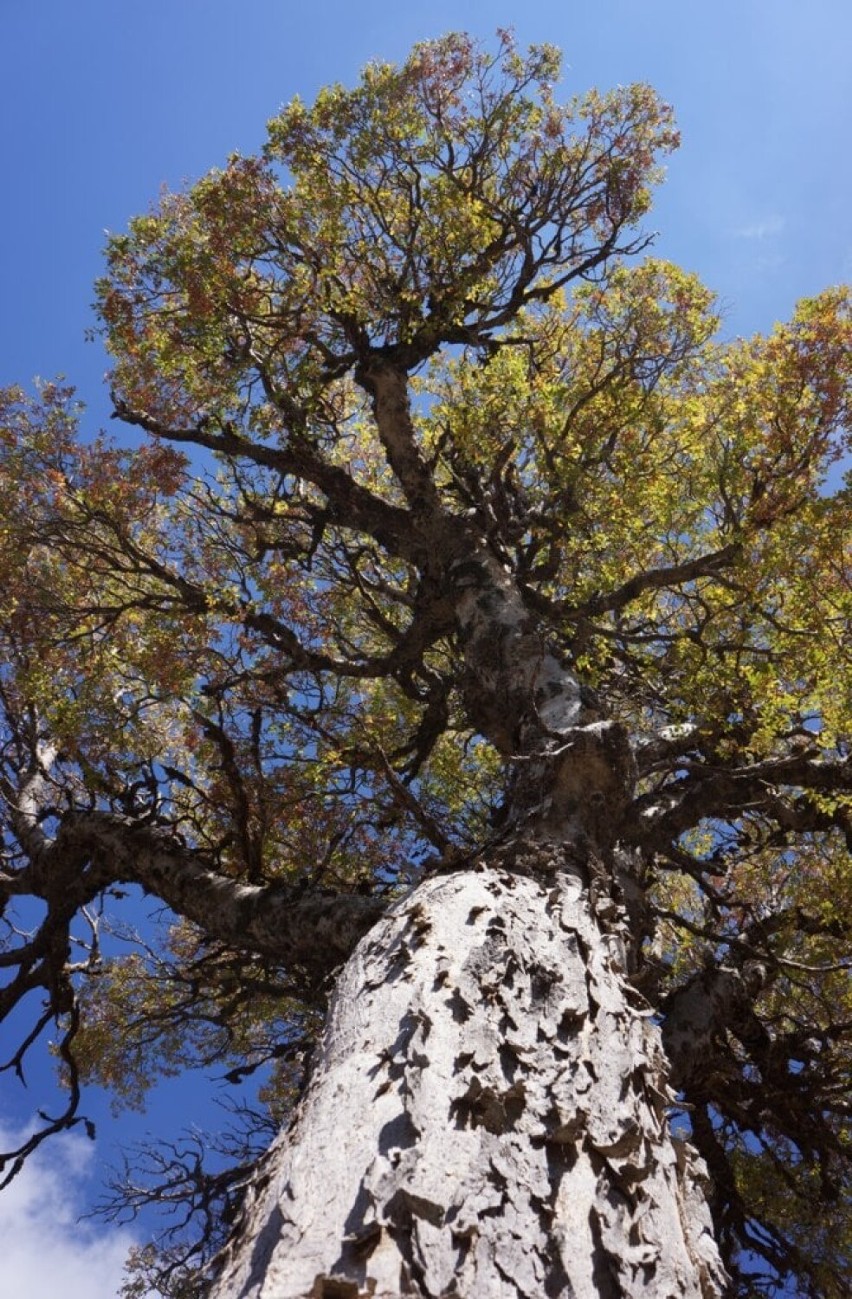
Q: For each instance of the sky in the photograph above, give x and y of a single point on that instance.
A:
(104, 103)
(46, 1253)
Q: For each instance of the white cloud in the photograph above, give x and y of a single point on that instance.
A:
(771, 225)
(45, 1251)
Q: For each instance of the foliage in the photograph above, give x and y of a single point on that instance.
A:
(418, 306)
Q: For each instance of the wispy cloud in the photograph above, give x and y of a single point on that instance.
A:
(45, 1250)
(765, 229)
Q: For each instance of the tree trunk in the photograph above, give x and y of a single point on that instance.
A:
(487, 1115)
(486, 1118)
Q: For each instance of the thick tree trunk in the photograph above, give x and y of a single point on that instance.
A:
(487, 1117)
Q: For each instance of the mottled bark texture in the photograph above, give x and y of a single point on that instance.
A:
(487, 1117)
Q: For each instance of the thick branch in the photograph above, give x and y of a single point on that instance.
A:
(655, 579)
(350, 504)
(568, 764)
(314, 930)
(713, 1001)
(709, 791)
(388, 388)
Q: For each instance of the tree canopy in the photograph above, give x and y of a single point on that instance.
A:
(425, 324)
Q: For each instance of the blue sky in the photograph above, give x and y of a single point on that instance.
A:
(105, 102)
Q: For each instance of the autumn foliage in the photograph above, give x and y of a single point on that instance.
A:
(235, 634)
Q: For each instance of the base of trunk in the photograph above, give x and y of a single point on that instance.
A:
(486, 1118)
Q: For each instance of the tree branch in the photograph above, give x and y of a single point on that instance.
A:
(708, 791)
(350, 504)
(312, 929)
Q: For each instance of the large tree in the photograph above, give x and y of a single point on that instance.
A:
(463, 658)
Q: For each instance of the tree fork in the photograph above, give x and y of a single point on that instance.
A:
(495, 1085)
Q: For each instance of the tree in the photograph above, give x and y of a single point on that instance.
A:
(463, 658)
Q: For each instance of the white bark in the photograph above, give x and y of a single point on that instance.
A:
(486, 1118)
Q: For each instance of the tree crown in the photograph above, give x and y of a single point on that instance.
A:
(234, 671)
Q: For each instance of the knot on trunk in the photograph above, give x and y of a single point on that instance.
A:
(594, 771)
(576, 791)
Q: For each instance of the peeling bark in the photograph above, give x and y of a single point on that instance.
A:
(713, 1002)
(571, 771)
(487, 1117)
